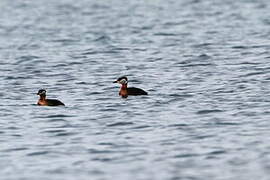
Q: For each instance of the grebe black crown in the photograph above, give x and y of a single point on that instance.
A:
(122, 80)
(41, 91)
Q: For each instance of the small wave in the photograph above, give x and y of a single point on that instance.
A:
(15, 149)
(64, 134)
(239, 47)
(120, 124)
(81, 82)
(121, 49)
(202, 45)
(65, 40)
(54, 131)
(223, 91)
(181, 95)
(23, 59)
(16, 135)
(197, 64)
(217, 152)
(90, 53)
(13, 128)
(253, 74)
(141, 127)
(226, 123)
(96, 151)
(58, 116)
(203, 136)
(102, 38)
(178, 125)
(165, 34)
(186, 155)
(60, 65)
(38, 153)
(106, 143)
(204, 56)
(103, 159)
(208, 111)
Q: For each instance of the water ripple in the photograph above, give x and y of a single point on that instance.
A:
(38, 153)
(207, 111)
(120, 124)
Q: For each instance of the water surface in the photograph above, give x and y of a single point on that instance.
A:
(205, 65)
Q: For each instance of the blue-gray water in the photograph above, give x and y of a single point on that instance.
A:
(205, 64)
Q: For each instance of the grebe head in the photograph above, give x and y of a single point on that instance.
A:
(121, 80)
(41, 92)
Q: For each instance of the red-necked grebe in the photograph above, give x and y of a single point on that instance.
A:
(47, 102)
(128, 91)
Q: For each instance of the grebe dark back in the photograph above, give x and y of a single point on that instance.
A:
(128, 91)
(47, 102)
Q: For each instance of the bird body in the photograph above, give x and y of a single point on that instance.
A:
(50, 102)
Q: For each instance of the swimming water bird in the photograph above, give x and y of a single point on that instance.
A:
(128, 91)
(47, 102)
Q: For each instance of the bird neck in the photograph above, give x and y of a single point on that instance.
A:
(42, 97)
(124, 86)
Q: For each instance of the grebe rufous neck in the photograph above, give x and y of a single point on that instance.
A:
(47, 102)
(128, 91)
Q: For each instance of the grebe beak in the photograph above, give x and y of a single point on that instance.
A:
(115, 81)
